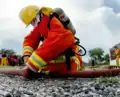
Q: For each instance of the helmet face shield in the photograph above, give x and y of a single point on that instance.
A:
(36, 20)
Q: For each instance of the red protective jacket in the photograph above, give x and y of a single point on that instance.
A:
(48, 56)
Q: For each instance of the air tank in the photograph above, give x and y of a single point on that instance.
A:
(65, 19)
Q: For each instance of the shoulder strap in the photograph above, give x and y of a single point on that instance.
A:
(51, 16)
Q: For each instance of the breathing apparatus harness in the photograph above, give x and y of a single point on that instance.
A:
(68, 53)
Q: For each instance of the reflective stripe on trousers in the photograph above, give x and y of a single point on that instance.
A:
(36, 63)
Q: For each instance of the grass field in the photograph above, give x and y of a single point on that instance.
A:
(86, 66)
(11, 66)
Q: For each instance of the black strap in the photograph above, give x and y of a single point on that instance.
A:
(51, 16)
(42, 38)
(68, 53)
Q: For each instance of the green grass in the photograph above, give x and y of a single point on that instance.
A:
(96, 66)
(11, 66)
(112, 80)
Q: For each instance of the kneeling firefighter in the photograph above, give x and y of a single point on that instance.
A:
(57, 53)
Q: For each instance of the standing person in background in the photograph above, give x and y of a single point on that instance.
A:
(4, 60)
(0, 58)
(117, 53)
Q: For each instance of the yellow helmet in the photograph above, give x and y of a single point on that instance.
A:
(28, 13)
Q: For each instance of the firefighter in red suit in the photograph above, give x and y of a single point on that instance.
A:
(49, 56)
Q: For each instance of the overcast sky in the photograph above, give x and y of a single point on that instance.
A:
(96, 21)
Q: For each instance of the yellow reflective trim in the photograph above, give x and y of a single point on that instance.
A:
(38, 61)
(34, 63)
(52, 61)
(28, 48)
(77, 49)
(59, 59)
(77, 62)
(39, 58)
(27, 51)
(46, 72)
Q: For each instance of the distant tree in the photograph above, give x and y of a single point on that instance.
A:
(7, 51)
(97, 54)
(107, 58)
(2, 51)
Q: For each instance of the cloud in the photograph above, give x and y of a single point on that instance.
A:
(93, 30)
(87, 5)
(115, 4)
(12, 33)
(96, 21)
(12, 44)
(100, 28)
(111, 19)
